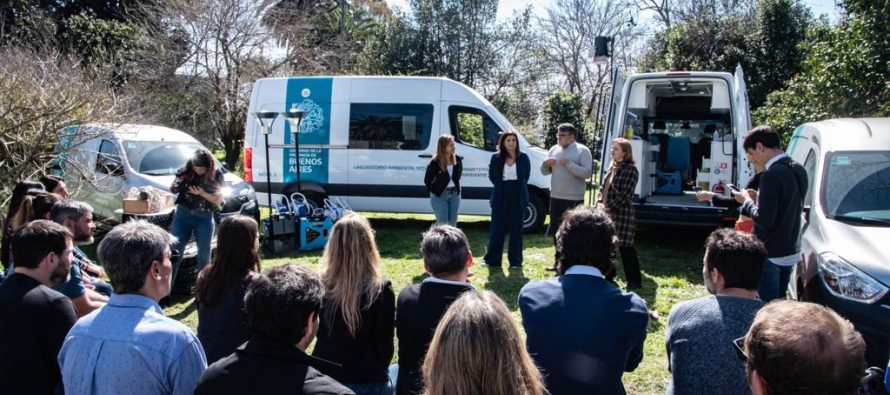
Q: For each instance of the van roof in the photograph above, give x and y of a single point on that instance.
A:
(848, 134)
(142, 132)
(683, 74)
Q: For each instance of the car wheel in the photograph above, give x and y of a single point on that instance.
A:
(534, 214)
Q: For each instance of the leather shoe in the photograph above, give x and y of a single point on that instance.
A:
(552, 268)
(634, 286)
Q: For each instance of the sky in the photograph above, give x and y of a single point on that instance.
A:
(507, 7)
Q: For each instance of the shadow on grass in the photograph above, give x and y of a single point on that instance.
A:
(189, 308)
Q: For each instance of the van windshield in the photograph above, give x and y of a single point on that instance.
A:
(857, 186)
(158, 158)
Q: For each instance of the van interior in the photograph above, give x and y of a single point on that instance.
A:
(681, 137)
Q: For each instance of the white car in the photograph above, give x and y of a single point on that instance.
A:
(846, 227)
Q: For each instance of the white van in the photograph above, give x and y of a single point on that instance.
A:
(686, 130)
(368, 140)
(846, 262)
(101, 162)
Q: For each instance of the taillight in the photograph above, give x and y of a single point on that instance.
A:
(248, 164)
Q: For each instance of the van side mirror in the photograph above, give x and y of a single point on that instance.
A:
(806, 212)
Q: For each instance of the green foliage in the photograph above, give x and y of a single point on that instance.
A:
(103, 45)
(846, 74)
(766, 46)
(564, 107)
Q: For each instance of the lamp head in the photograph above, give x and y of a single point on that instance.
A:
(294, 117)
(265, 118)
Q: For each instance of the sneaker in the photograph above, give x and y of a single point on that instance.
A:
(485, 264)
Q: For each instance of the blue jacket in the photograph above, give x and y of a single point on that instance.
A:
(496, 176)
(583, 332)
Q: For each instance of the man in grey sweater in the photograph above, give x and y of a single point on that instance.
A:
(569, 165)
(701, 357)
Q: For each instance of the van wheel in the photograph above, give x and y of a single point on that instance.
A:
(534, 214)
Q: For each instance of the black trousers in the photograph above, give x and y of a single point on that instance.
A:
(631, 265)
(558, 207)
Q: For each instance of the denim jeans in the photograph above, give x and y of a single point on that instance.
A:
(446, 206)
(186, 222)
(774, 283)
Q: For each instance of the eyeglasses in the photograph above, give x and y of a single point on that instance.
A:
(739, 345)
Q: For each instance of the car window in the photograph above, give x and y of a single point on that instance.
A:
(390, 126)
(158, 158)
(472, 126)
(810, 166)
(109, 159)
(857, 184)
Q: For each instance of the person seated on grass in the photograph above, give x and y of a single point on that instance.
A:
(447, 258)
(698, 330)
(33, 317)
(802, 348)
(220, 287)
(129, 346)
(477, 349)
(283, 306)
(582, 330)
(357, 324)
(77, 217)
(21, 189)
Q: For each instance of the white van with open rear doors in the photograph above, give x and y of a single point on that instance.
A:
(686, 130)
(368, 141)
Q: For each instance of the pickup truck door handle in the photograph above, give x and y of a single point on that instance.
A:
(425, 156)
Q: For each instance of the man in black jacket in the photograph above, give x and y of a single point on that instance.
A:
(282, 308)
(447, 258)
(777, 209)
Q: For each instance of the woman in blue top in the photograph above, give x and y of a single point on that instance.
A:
(508, 171)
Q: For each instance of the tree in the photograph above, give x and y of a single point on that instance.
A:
(766, 46)
(40, 93)
(218, 48)
(846, 72)
(564, 107)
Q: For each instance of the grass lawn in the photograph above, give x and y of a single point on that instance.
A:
(670, 260)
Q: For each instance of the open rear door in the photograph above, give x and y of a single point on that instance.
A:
(613, 118)
(742, 119)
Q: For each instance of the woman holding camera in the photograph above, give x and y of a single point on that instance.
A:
(199, 187)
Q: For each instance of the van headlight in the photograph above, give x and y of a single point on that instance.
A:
(237, 190)
(847, 281)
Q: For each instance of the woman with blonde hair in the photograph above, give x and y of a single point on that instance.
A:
(358, 322)
(477, 349)
(617, 199)
(442, 181)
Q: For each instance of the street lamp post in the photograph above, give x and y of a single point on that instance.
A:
(294, 118)
(265, 119)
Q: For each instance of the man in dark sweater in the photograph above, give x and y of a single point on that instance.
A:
(34, 318)
(777, 209)
(282, 308)
(447, 258)
(700, 330)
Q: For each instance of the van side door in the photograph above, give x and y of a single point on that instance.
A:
(476, 138)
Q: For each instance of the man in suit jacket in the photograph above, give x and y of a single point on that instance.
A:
(583, 331)
(777, 210)
(447, 258)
